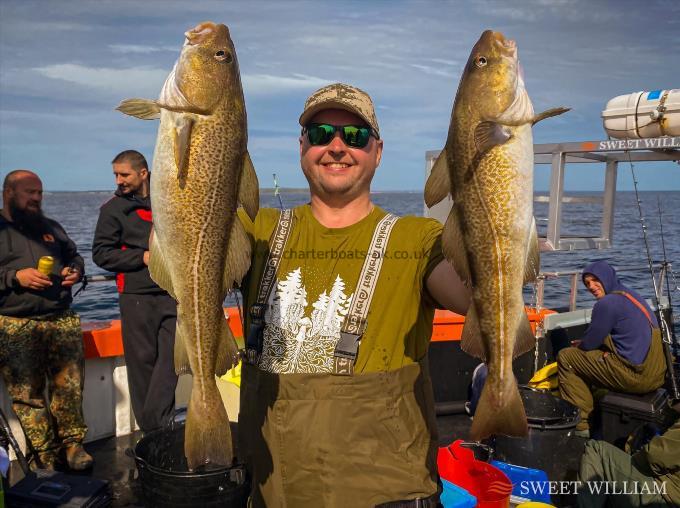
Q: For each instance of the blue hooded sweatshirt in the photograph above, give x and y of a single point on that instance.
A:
(616, 315)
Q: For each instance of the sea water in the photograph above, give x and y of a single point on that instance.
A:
(78, 211)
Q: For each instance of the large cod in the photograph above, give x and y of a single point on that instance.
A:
(199, 249)
(490, 234)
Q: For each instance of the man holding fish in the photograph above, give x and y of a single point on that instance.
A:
(336, 399)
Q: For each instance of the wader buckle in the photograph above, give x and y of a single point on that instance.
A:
(255, 333)
(348, 345)
(345, 353)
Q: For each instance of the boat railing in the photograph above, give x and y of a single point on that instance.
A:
(661, 271)
(558, 156)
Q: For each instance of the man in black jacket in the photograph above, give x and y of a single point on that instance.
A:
(40, 337)
(148, 314)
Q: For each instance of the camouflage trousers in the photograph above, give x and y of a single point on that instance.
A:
(34, 352)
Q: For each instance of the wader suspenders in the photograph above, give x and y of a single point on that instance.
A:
(354, 323)
(637, 304)
(276, 245)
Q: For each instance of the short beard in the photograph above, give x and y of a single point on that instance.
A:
(27, 220)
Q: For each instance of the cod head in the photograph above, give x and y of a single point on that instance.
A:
(492, 85)
(206, 70)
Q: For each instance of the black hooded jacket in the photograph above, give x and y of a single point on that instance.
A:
(21, 249)
(120, 239)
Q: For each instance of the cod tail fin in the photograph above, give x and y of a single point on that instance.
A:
(499, 412)
(207, 435)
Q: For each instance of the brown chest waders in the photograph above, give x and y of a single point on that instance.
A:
(342, 438)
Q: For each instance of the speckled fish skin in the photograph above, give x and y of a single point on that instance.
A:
(489, 235)
(197, 167)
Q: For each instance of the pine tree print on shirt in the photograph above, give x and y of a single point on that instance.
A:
(295, 342)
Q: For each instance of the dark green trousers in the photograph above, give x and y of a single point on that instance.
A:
(603, 462)
(580, 371)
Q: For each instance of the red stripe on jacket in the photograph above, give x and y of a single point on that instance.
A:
(120, 277)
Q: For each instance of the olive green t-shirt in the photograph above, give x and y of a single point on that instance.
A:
(316, 280)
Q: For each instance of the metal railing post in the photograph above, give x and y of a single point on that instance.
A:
(555, 206)
(573, 291)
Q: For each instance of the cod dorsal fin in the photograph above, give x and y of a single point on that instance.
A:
(533, 261)
(227, 350)
(158, 269)
(237, 260)
(525, 340)
(453, 246)
(438, 184)
(146, 109)
(471, 339)
(182, 365)
(249, 188)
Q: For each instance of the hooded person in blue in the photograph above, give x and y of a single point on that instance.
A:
(621, 350)
(617, 315)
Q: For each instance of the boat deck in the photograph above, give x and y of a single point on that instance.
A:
(113, 464)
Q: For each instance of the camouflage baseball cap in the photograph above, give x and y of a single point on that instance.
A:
(341, 96)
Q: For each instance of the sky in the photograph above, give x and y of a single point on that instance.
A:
(65, 66)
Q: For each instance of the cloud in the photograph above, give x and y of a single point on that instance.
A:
(435, 71)
(270, 84)
(121, 82)
(139, 49)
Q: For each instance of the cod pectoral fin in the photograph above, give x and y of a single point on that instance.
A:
(533, 261)
(453, 245)
(146, 109)
(249, 188)
(471, 339)
(548, 113)
(181, 143)
(438, 184)
(490, 134)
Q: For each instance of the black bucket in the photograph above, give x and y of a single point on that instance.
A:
(167, 482)
(551, 445)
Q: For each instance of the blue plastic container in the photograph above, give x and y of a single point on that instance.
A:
(526, 482)
(455, 497)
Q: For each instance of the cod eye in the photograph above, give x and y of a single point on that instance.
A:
(480, 61)
(223, 56)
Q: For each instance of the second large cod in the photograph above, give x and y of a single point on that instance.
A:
(490, 234)
(199, 249)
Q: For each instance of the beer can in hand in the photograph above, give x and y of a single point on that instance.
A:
(45, 265)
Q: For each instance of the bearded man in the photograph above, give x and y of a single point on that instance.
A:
(40, 336)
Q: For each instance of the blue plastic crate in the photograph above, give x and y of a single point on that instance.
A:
(454, 496)
(527, 483)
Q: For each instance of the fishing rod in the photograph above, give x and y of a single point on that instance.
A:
(668, 271)
(665, 330)
(277, 191)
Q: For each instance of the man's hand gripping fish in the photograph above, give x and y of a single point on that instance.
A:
(199, 249)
